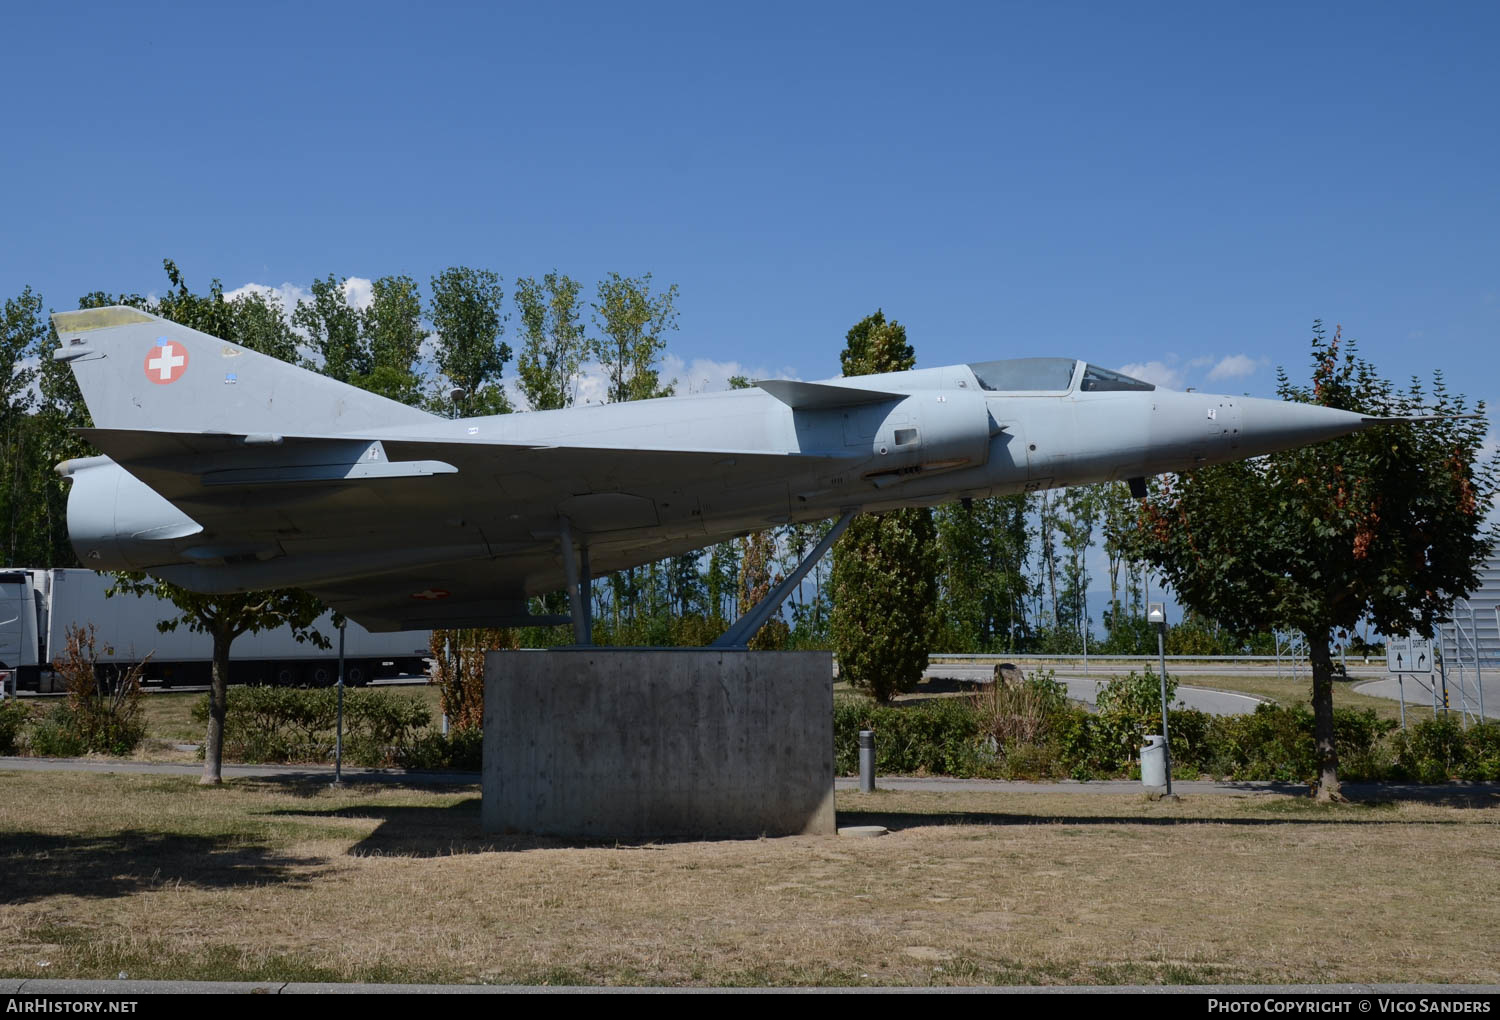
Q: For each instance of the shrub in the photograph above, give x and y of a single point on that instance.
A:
(1277, 743)
(1137, 696)
(1109, 742)
(56, 735)
(1438, 750)
(937, 737)
(380, 725)
(267, 724)
(461, 748)
(14, 715)
(102, 713)
(1012, 714)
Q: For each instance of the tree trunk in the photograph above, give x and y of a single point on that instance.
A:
(1322, 698)
(218, 706)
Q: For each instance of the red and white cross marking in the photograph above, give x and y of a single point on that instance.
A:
(429, 594)
(166, 362)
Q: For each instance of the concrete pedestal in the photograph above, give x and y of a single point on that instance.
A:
(608, 743)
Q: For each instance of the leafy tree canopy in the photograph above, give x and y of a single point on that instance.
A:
(1386, 524)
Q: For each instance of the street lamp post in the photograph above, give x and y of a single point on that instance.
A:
(338, 739)
(1157, 614)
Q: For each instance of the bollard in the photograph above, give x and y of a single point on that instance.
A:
(866, 761)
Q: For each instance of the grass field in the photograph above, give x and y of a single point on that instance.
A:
(159, 878)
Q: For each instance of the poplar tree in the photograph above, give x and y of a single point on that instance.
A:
(553, 340)
(332, 327)
(391, 328)
(632, 325)
(467, 313)
(884, 578)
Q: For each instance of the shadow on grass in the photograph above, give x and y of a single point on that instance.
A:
(454, 829)
(38, 865)
(1276, 813)
(439, 831)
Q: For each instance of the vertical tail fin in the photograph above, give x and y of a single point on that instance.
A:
(140, 371)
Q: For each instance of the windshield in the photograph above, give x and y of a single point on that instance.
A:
(1097, 380)
(1025, 374)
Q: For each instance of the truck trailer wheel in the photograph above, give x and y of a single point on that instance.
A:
(356, 674)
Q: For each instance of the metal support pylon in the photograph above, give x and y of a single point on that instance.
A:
(742, 630)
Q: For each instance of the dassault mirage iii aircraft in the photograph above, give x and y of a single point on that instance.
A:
(226, 470)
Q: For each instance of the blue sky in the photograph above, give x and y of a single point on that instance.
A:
(1176, 184)
(1175, 189)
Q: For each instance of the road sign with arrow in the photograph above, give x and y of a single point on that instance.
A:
(1409, 654)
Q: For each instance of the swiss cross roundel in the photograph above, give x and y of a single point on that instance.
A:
(166, 362)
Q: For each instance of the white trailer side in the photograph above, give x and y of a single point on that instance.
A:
(126, 632)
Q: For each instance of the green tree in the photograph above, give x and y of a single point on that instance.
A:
(467, 313)
(874, 345)
(553, 340)
(244, 321)
(224, 618)
(982, 547)
(884, 578)
(41, 410)
(757, 556)
(23, 329)
(632, 323)
(391, 328)
(1387, 524)
(1116, 522)
(1081, 515)
(332, 327)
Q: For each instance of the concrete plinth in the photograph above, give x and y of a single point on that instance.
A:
(640, 743)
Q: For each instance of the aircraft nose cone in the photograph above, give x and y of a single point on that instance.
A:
(1268, 426)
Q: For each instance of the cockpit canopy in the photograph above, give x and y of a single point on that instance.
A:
(1020, 375)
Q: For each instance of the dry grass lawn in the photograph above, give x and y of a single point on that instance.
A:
(157, 877)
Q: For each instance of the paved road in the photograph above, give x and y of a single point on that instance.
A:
(1086, 688)
(1419, 692)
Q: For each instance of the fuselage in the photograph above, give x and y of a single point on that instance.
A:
(788, 452)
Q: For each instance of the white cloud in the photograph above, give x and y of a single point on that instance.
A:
(1157, 372)
(34, 388)
(705, 375)
(593, 384)
(1234, 367)
(288, 294)
(359, 292)
(696, 375)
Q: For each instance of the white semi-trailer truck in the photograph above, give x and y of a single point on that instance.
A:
(37, 607)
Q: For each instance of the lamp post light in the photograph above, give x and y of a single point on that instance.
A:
(338, 739)
(1157, 614)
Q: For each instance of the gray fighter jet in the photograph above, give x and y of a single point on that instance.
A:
(226, 470)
